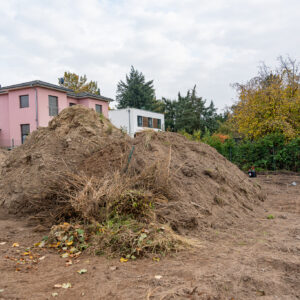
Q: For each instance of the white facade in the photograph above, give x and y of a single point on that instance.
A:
(133, 120)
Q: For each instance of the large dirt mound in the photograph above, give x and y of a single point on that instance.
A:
(3, 156)
(70, 138)
(202, 189)
(89, 169)
(206, 190)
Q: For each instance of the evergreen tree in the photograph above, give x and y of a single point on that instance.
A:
(170, 113)
(136, 92)
(189, 113)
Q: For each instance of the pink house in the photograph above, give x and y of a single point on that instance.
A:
(26, 106)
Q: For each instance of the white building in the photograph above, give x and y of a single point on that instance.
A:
(133, 120)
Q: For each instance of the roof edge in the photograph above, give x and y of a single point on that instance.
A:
(43, 84)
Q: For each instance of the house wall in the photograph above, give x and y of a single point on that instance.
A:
(43, 104)
(149, 114)
(127, 119)
(4, 121)
(18, 116)
(120, 119)
(12, 116)
(90, 103)
(72, 100)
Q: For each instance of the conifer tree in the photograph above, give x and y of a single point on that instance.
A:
(135, 91)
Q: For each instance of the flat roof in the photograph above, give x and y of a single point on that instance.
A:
(133, 108)
(39, 83)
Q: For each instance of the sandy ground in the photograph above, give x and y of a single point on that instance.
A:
(260, 260)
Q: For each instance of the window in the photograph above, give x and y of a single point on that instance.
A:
(159, 123)
(53, 106)
(24, 101)
(140, 121)
(25, 130)
(150, 122)
(145, 122)
(71, 104)
(98, 108)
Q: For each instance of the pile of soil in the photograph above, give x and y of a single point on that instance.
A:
(70, 138)
(194, 187)
(3, 154)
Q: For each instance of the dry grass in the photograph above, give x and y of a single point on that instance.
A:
(118, 210)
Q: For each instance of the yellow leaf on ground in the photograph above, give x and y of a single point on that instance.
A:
(15, 245)
(122, 259)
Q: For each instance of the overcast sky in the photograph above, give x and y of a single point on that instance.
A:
(177, 43)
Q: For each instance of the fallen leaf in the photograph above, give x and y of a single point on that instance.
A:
(261, 293)
(41, 244)
(69, 243)
(1, 290)
(18, 269)
(54, 294)
(82, 271)
(15, 245)
(122, 259)
(2, 243)
(66, 285)
(113, 268)
(73, 250)
(57, 285)
(156, 258)
(158, 276)
(76, 254)
(65, 255)
(68, 263)
(41, 258)
(26, 253)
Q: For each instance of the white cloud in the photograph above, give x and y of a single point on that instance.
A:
(211, 43)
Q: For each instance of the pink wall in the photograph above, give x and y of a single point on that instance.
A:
(12, 116)
(43, 104)
(90, 103)
(18, 116)
(72, 100)
(4, 121)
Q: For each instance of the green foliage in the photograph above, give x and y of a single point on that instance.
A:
(190, 114)
(271, 152)
(136, 92)
(79, 84)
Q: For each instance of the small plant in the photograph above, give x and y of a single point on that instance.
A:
(101, 117)
(219, 200)
(126, 237)
(270, 217)
(65, 237)
(109, 129)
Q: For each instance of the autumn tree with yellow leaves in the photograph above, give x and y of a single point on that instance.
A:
(270, 102)
(78, 83)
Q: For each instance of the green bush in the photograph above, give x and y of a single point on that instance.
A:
(271, 152)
